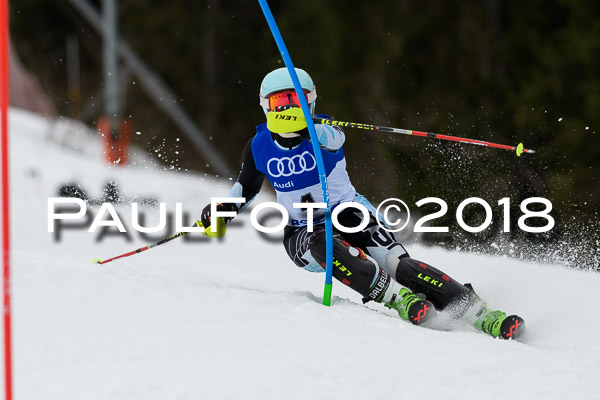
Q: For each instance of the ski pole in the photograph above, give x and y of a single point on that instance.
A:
(518, 148)
(285, 55)
(99, 261)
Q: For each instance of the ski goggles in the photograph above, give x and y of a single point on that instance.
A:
(285, 98)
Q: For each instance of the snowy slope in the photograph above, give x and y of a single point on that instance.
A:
(234, 319)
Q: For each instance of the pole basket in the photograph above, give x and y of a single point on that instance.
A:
(116, 137)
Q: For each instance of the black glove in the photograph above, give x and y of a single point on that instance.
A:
(205, 217)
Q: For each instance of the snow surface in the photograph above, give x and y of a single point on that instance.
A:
(234, 319)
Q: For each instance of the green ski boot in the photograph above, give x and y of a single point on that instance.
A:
(497, 324)
(492, 322)
(411, 307)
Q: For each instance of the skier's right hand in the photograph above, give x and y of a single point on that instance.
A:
(221, 221)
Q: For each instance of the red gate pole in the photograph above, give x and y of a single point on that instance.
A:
(4, 101)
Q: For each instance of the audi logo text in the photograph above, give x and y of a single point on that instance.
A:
(287, 166)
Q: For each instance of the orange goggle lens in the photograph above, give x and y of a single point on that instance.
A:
(284, 98)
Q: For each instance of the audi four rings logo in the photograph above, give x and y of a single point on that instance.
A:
(287, 166)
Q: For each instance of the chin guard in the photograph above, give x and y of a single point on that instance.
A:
(287, 120)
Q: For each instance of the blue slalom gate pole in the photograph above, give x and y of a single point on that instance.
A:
(315, 143)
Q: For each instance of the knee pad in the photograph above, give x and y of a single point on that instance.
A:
(439, 288)
(351, 266)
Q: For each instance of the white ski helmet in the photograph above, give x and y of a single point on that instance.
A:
(279, 80)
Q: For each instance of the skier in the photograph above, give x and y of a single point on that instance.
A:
(372, 261)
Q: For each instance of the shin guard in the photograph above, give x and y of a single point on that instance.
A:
(352, 267)
(438, 287)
